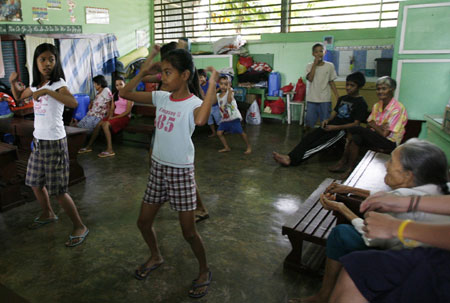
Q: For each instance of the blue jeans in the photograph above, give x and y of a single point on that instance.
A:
(314, 110)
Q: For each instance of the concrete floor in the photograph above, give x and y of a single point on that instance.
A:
(249, 199)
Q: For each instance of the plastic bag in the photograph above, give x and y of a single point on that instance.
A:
(246, 61)
(253, 116)
(300, 90)
(277, 106)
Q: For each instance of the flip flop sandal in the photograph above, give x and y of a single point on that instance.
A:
(142, 272)
(39, 223)
(106, 154)
(199, 218)
(81, 237)
(195, 286)
(84, 150)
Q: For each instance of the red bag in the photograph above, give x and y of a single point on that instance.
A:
(300, 90)
(246, 61)
(287, 88)
(277, 106)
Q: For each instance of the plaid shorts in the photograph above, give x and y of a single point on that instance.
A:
(173, 184)
(48, 166)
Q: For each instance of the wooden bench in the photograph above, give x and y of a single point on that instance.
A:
(310, 223)
(145, 125)
(313, 224)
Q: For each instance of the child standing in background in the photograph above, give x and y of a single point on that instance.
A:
(214, 117)
(178, 111)
(231, 117)
(48, 165)
(321, 75)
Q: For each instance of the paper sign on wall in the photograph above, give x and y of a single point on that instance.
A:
(96, 15)
(40, 13)
(54, 4)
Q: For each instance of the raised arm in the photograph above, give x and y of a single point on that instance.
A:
(201, 114)
(18, 94)
(385, 227)
(147, 68)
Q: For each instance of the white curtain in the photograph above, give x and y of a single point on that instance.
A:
(31, 42)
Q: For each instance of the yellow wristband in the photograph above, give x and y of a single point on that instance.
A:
(401, 228)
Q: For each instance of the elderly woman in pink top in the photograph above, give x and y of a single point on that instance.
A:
(116, 120)
(385, 128)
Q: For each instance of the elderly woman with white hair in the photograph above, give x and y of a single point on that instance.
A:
(416, 168)
(386, 127)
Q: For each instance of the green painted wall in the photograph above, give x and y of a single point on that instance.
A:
(292, 51)
(125, 18)
(424, 87)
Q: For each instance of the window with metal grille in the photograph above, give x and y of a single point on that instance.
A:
(209, 20)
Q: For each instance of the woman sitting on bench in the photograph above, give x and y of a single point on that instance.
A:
(386, 127)
(116, 120)
(416, 168)
(409, 275)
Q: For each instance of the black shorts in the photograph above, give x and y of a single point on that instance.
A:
(410, 275)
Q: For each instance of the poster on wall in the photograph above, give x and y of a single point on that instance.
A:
(54, 4)
(39, 13)
(10, 10)
(96, 15)
(142, 38)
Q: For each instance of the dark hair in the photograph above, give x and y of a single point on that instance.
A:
(224, 77)
(116, 92)
(358, 78)
(202, 72)
(387, 80)
(166, 48)
(182, 60)
(316, 45)
(57, 72)
(119, 78)
(426, 161)
(100, 80)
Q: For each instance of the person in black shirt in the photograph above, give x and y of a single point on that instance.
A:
(350, 110)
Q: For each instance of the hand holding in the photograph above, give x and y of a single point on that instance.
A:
(380, 226)
(335, 188)
(328, 202)
(384, 202)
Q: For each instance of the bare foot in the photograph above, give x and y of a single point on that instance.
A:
(212, 135)
(224, 150)
(282, 159)
(338, 168)
(77, 236)
(346, 174)
(248, 151)
(144, 270)
(200, 285)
